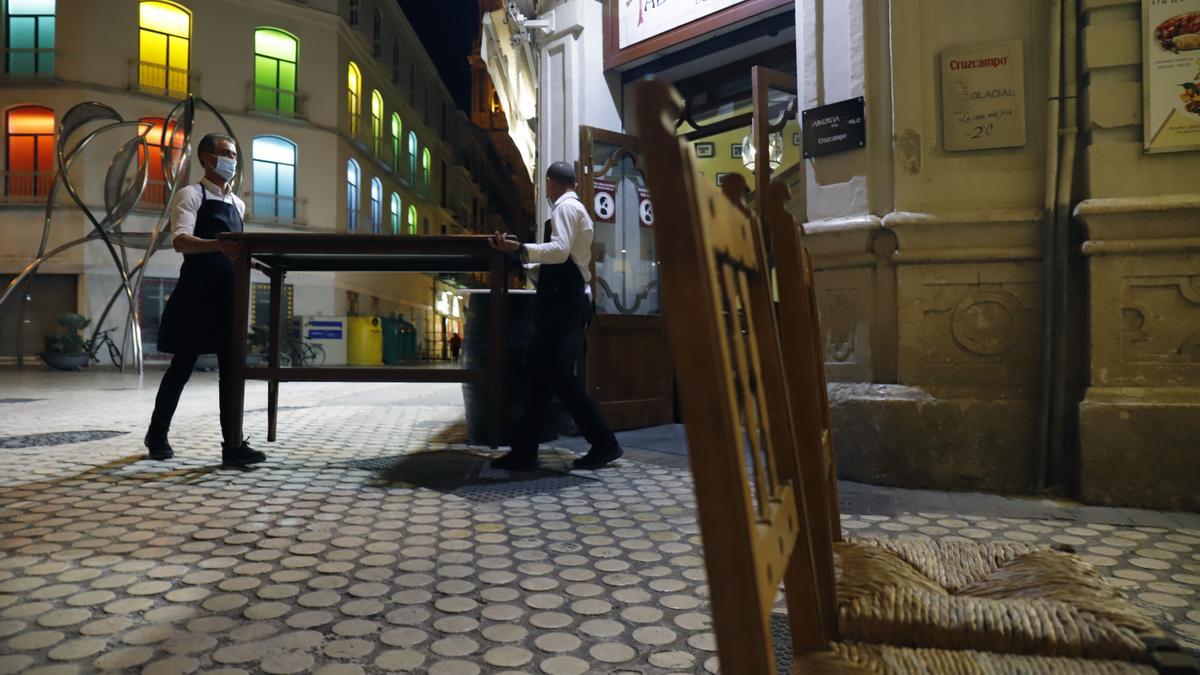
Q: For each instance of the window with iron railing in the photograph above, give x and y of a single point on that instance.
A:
(274, 195)
(397, 147)
(376, 122)
(276, 53)
(29, 31)
(353, 176)
(353, 97)
(29, 160)
(376, 205)
(164, 45)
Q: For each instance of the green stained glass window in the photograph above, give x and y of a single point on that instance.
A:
(275, 57)
(395, 213)
(397, 152)
(30, 31)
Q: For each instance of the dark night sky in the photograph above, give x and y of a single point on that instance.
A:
(447, 29)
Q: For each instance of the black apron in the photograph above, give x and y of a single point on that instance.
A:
(198, 316)
(559, 286)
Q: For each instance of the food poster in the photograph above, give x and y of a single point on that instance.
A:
(1171, 75)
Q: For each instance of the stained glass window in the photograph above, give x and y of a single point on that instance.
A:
(30, 31)
(397, 148)
(353, 95)
(29, 165)
(395, 213)
(410, 227)
(274, 195)
(425, 170)
(376, 205)
(165, 39)
(376, 122)
(412, 156)
(352, 178)
(275, 56)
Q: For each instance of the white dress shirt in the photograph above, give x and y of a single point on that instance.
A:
(188, 200)
(571, 235)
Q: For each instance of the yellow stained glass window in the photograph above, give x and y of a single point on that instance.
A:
(353, 94)
(164, 43)
(376, 121)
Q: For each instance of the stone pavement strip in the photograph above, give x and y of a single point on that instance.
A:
(374, 540)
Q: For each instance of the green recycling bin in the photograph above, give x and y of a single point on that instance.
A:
(406, 337)
(392, 343)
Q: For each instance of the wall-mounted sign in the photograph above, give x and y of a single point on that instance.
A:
(645, 208)
(983, 96)
(604, 201)
(836, 127)
(1170, 75)
(638, 20)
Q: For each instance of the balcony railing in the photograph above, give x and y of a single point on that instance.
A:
(358, 221)
(275, 101)
(29, 64)
(161, 80)
(26, 187)
(273, 209)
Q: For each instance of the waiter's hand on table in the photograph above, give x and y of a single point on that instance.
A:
(231, 249)
(507, 243)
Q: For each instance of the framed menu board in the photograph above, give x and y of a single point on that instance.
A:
(983, 96)
(1170, 75)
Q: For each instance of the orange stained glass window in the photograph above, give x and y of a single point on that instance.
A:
(164, 42)
(156, 159)
(29, 165)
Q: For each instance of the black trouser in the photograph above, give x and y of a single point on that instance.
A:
(171, 387)
(558, 342)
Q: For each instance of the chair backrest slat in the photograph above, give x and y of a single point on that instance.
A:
(723, 335)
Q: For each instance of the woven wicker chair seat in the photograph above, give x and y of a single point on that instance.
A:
(1005, 598)
(860, 659)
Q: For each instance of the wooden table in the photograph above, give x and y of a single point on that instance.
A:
(278, 254)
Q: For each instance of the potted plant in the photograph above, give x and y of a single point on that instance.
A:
(67, 351)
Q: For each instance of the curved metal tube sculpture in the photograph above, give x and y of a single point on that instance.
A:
(120, 198)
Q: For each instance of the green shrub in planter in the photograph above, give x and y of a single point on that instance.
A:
(67, 351)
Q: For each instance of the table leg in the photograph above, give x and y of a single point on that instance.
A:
(275, 321)
(241, 315)
(498, 347)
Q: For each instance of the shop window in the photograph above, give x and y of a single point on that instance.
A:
(275, 56)
(395, 213)
(353, 96)
(376, 122)
(164, 43)
(376, 205)
(29, 164)
(352, 182)
(274, 195)
(29, 27)
(412, 156)
(397, 148)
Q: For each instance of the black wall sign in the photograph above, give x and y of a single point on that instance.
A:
(836, 127)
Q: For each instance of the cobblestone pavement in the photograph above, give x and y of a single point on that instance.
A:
(374, 540)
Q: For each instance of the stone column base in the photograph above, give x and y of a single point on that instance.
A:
(948, 439)
(1141, 447)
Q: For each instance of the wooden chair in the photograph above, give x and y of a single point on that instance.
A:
(764, 517)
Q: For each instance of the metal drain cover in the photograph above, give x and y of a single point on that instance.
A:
(56, 438)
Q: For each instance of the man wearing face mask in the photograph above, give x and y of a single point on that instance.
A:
(197, 318)
(561, 312)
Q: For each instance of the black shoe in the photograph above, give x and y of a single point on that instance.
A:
(241, 455)
(158, 446)
(598, 457)
(516, 461)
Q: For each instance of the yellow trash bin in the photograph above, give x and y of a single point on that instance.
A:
(365, 341)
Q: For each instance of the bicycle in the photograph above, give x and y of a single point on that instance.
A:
(298, 352)
(104, 339)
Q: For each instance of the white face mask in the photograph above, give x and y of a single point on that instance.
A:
(226, 168)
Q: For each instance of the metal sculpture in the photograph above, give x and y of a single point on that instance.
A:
(122, 193)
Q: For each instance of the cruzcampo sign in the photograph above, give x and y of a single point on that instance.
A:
(983, 96)
(1170, 75)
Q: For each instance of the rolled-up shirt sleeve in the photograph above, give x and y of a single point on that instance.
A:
(183, 211)
(562, 234)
